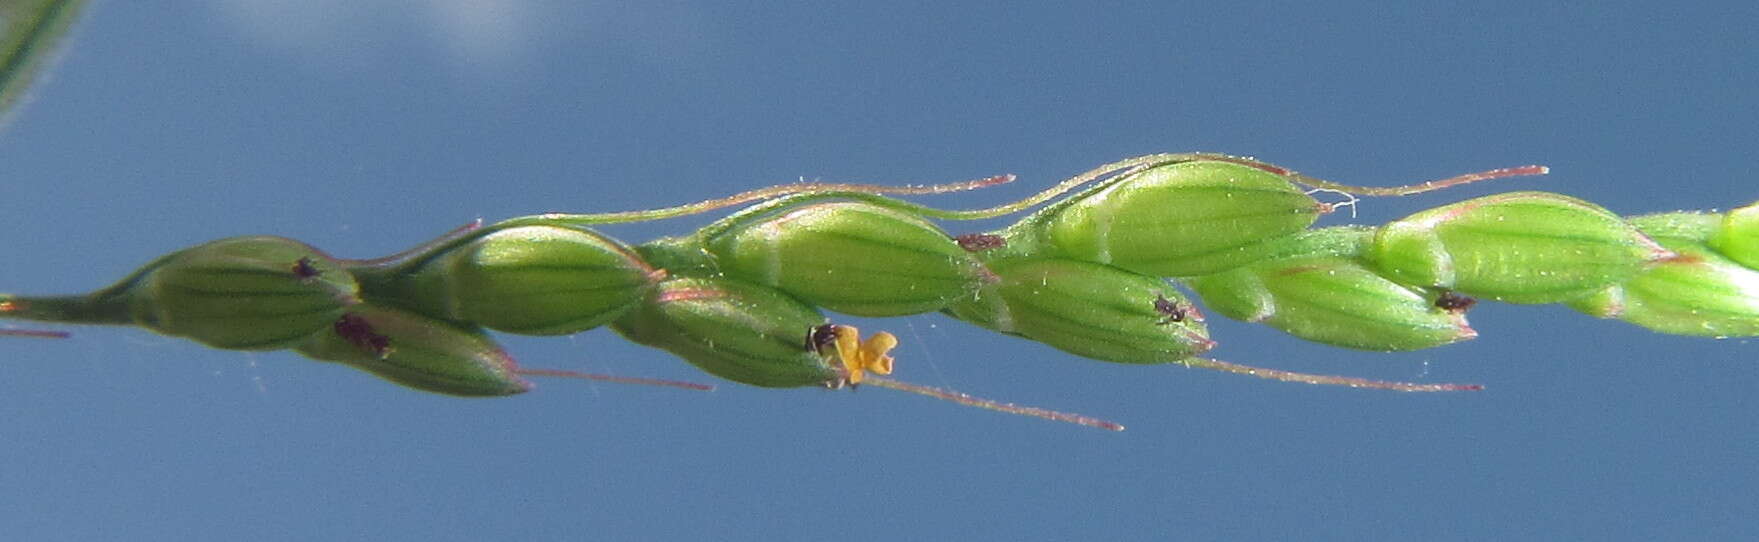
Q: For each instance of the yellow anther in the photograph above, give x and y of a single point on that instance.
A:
(874, 351)
(859, 358)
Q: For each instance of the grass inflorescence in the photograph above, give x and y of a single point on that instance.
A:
(1096, 270)
(1101, 269)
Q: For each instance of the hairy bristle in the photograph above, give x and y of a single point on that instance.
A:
(1500, 173)
(560, 373)
(987, 404)
(34, 333)
(1325, 380)
(764, 194)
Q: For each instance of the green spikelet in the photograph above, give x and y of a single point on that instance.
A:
(1738, 238)
(734, 330)
(1182, 219)
(251, 293)
(1699, 292)
(529, 280)
(418, 352)
(1088, 309)
(1314, 286)
(853, 258)
(243, 293)
(1520, 247)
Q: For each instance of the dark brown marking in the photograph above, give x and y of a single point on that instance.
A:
(1172, 311)
(820, 337)
(1453, 302)
(357, 331)
(303, 269)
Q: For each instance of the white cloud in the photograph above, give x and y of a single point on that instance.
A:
(478, 35)
(483, 32)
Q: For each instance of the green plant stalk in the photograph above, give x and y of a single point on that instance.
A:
(28, 41)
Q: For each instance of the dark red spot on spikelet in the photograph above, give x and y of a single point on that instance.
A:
(357, 331)
(979, 242)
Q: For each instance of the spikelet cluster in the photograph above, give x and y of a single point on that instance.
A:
(1099, 270)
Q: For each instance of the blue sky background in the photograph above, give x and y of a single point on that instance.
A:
(364, 128)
